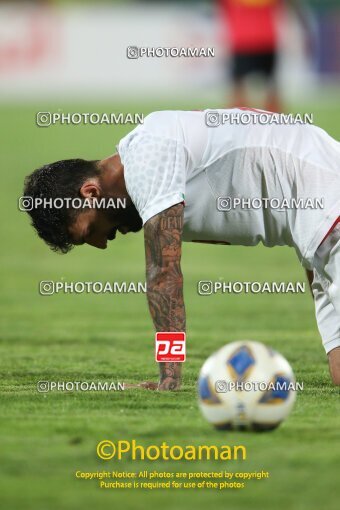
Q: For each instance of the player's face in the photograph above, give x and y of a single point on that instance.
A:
(98, 226)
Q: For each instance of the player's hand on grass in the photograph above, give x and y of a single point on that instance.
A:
(148, 385)
(170, 378)
(169, 384)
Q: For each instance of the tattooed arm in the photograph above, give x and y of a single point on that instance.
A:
(163, 238)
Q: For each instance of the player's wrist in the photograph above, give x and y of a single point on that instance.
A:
(170, 376)
(169, 384)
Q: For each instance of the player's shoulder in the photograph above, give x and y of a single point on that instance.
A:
(156, 126)
(162, 123)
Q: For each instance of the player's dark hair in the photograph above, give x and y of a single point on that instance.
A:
(62, 179)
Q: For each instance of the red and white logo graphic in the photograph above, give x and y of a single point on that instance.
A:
(170, 346)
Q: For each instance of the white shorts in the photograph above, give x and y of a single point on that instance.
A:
(326, 289)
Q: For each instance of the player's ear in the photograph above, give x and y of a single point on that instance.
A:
(90, 188)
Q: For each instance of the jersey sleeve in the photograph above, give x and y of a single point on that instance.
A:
(154, 173)
(328, 319)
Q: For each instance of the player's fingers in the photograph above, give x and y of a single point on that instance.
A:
(147, 385)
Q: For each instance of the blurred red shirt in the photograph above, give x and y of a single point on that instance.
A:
(251, 25)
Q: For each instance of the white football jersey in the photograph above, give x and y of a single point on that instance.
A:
(287, 178)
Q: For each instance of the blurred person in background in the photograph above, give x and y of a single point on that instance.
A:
(251, 31)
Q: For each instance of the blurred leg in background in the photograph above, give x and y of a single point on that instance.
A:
(264, 64)
(251, 31)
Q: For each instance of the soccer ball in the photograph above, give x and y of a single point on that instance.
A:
(246, 386)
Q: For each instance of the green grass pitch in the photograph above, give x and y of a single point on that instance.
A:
(46, 437)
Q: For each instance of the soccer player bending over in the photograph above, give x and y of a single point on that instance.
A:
(172, 171)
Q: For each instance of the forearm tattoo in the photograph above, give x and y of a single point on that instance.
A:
(163, 238)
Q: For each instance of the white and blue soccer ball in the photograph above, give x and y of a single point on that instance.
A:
(246, 385)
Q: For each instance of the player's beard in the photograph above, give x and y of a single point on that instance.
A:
(127, 217)
(131, 218)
